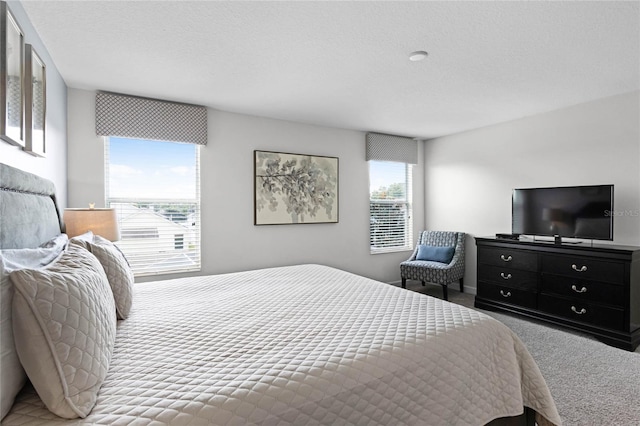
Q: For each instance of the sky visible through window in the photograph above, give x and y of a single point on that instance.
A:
(385, 173)
(151, 169)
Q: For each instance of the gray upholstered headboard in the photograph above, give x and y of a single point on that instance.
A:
(29, 214)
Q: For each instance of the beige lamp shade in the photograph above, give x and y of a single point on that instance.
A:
(101, 222)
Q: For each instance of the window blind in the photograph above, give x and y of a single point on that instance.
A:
(158, 236)
(144, 118)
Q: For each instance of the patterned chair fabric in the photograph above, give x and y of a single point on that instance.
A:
(436, 272)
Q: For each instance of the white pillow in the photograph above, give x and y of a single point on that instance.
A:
(12, 375)
(87, 236)
(117, 269)
(64, 325)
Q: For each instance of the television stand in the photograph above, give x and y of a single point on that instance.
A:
(593, 289)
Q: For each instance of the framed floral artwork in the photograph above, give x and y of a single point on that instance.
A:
(12, 82)
(35, 102)
(294, 188)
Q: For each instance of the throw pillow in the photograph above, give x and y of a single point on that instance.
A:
(12, 375)
(117, 269)
(435, 254)
(64, 326)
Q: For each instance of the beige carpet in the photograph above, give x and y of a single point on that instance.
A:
(592, 383)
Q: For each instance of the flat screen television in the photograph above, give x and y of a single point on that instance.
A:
(570, 211)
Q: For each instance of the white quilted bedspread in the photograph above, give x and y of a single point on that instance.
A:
(305, 345)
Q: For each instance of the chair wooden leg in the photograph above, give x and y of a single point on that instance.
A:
(404, 282)
(445, 296)
(423, 284)
(461, 285)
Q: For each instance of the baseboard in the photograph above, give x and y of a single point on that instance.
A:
(471, 290)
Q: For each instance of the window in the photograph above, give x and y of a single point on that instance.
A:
(138, 233)
(390, 211)
(178, 241)
(155, 188)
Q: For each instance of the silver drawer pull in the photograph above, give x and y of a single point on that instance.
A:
(579, 312)
(582, 290)
(506, 277)
(507, 294)
(582, 268)
(506, 259)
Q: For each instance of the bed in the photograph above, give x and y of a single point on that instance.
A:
(305, 344)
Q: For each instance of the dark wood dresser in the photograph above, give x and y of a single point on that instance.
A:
(591, 288)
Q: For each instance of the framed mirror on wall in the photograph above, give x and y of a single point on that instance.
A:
(35, 102)
(12, 93)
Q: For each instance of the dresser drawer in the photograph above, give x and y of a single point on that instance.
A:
(513, 278)
(515, 259)
(507, 294)
(589, 287)
(588, 312)
(583, 290)
(584, 268)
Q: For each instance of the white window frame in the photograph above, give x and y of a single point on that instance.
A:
(195, 257)
(407, 240)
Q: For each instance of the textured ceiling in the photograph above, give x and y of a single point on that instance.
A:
(345, 64)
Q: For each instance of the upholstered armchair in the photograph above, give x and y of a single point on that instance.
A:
(426, 263)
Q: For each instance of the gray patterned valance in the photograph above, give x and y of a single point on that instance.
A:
(143, 118)
(383, 147)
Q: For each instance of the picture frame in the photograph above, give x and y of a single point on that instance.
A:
(12, 78)
(35, 102)
(295, 188)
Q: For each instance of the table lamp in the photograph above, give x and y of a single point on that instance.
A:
(101, 222)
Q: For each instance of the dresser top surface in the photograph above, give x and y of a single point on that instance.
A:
(550, 246)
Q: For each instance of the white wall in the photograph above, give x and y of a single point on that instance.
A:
(85, 169)
(469, 176)
(54, 165)
(230, 241)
